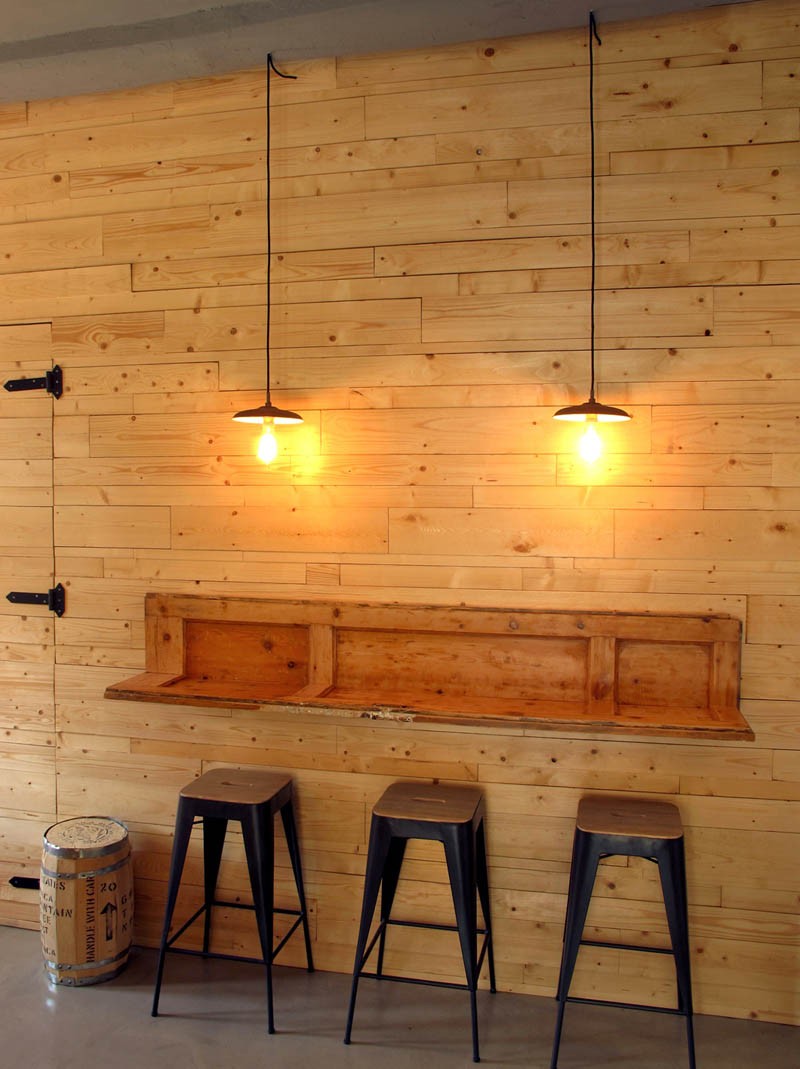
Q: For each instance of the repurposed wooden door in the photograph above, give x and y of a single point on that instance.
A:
(27, 714)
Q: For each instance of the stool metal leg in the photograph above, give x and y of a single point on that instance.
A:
(459, 848)
(214, 829)
(391, 876)
(257, 830)
(482, 873)
(290, 830)
(672, 870)
(585, 858)
(379, 841)
(183, 831)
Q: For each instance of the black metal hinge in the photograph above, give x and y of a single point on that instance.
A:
(52, 381)
(54, 599)
(30, 883)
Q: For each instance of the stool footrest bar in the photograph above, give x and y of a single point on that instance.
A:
(429, 924)
(183, 927)
(297, 913)
(415, 924)
(187, 951)
(250, 906)
(414, 980)
(628, 1006)
(289, 934)
(626, 946)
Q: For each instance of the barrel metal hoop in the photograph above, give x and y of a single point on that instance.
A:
(86, 875)
(88, 964)
(73, 980)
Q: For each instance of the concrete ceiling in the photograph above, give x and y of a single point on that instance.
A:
(54, 48)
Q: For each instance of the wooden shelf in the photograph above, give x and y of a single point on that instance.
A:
(637, 673)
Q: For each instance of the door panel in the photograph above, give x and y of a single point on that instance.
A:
(27, 718)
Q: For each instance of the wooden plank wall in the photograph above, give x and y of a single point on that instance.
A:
(430, 312)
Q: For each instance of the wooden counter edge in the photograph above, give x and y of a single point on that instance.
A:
(727, 724)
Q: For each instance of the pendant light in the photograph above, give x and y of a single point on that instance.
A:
(592, 411)
(268, 414)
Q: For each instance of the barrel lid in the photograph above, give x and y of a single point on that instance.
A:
(82, 836)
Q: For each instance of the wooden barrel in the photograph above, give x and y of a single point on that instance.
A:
(86, 900)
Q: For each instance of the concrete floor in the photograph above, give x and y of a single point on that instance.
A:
(213, 1017)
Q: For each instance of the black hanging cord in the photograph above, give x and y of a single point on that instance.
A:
(593, 36)
(270, 67)
(592, 409)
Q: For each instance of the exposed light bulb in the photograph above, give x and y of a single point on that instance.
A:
(267, 445)
(590, 446)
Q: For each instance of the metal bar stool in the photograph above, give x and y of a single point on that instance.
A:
(253, 798)
(607, 826)
(453, 816)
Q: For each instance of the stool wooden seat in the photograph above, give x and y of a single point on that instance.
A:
(608, 815)
(454, 816)
(252, 797)
(636, 827)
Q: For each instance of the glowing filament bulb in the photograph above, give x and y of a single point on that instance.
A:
(590, 446)
(267, 445)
